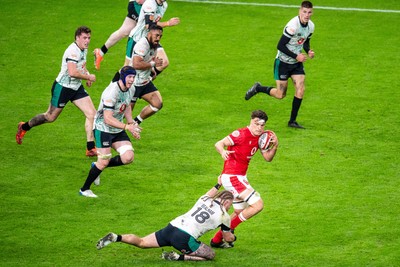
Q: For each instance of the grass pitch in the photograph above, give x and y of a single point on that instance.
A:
(331, 194)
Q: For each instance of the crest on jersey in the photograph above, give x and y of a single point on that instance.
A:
(236, 133)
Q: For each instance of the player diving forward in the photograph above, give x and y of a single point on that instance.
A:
(209, 212)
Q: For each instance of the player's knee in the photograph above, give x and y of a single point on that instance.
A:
(280, 95)
(123, 32)
(49, 118)
(157, 107)
(126, 153)
(256, 201)
(207, 252)
(91, 114)
(141, 243)
(258, 206)
(127, 157)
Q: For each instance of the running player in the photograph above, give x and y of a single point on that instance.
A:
(289, 61)
(109, 128)
(151, 13)
(237, 149)
(68, 87)
(145, 59)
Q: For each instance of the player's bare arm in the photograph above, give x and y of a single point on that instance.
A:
(75, 73)
(171, 22)
(139, 64)
(220, 147)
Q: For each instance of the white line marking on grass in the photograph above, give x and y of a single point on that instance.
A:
(290, 6)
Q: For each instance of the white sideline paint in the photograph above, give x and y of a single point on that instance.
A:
(290, 6)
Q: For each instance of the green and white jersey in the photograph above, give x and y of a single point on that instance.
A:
(113, 98)
(150, 7)
(298, 34)
(143, 49)
(78, 56)
(202, 218)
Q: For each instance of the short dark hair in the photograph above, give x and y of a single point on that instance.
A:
(155, 27)
(306, 4)
(82, 29)
(259, 114)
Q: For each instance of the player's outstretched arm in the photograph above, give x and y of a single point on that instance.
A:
(214, 190)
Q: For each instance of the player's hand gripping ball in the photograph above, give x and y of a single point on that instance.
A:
(264, 142)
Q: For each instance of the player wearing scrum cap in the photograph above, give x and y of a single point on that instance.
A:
(109, 128)
(237, 149)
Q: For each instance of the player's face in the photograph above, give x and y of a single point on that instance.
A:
(83, 40)
(305, 14)
(257, 126)
(155, 37)
(129, 80)
(160, 2)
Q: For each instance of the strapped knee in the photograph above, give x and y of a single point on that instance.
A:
(153, 108)
(104, 156)
(253, 198)
(122, 149)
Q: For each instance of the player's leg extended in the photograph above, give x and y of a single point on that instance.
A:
(149, 241)
(121, 33)
(155, 104)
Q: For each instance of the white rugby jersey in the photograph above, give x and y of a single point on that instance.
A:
(202, 218)
(298, 35)
(150, 7)
(144, 50)
(113, 98)
(78, 56)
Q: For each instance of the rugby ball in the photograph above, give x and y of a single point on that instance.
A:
(264, 141)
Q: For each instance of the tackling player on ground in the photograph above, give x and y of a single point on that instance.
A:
(209, 212)
(237, 149)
